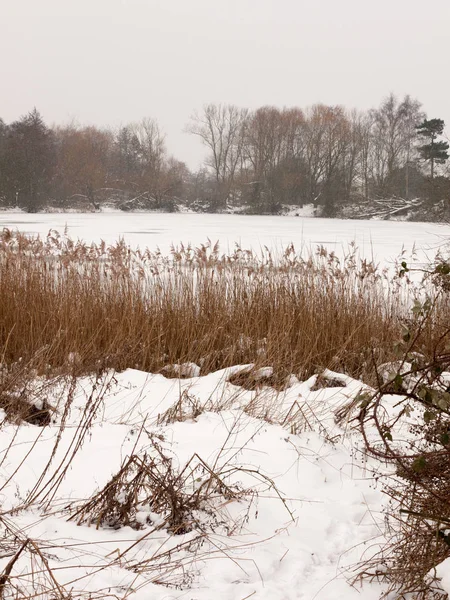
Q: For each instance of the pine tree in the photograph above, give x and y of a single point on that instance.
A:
(435, 151)
(31, 154)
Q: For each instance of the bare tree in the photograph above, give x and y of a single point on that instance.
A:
(393, 131)
(151, 143)
(83, 162)
(328, 135)
(273, 147)
(220, 127)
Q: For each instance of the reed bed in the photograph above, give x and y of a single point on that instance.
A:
(68, 308)
(79, 305)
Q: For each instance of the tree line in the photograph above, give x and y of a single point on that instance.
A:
(258, 160)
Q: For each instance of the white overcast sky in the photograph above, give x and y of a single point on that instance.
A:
(109, 62)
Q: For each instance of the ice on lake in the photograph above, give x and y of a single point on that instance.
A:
(383, 240)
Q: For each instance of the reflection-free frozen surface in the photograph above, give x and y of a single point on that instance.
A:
(382, 239)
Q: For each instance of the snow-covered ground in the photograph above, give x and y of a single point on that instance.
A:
(299, 510)
(383, 240)
(287, 502)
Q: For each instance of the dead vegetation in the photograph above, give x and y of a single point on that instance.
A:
(416, 539)
(143, 310)
(255, 379)
(28, 573)
(187, 407)
(149, 490)
(324, 381)
(24, 395)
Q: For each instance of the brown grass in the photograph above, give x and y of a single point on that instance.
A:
(152, 484)
(77, 305)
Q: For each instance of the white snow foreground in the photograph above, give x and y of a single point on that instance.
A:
(286, 507)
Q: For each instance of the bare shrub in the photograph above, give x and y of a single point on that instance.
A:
(418, 515)
(150, 490)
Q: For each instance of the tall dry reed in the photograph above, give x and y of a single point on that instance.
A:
(80, 304)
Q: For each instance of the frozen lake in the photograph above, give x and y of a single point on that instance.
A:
(382, 239)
